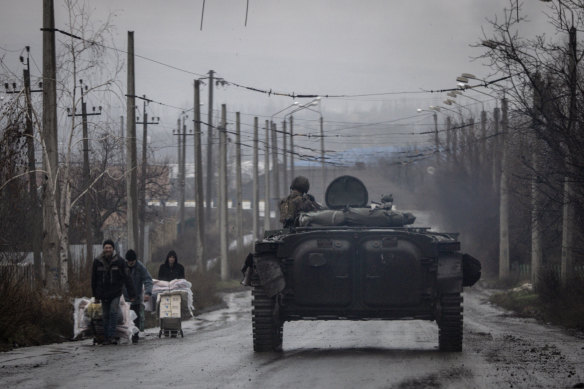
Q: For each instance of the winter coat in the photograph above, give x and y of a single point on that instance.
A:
(140, 276)
(296, 202)
(167, 273)
(108, 277)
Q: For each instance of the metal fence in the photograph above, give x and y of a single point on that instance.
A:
(523, 271)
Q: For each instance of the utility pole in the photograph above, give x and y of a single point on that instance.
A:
(448, 137)
(568, 218)
(131, 149)
(276, 170)
(256, 191)
(122, 137)
(455, 143)
(86, 172)
(285, 158)
(223, 194)
(51, 152)
(183, 177)
(322, 165)
(239, 211)
(292, 147)
(267, 178)
(181, 134)
(35, 226)
(504, 201)
(200, 211)
(484, 137)
(210, 170)
(495, 149)
(141, 248)
(536, 250)
(436, 138)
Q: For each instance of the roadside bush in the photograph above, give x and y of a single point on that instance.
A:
(29, 317)
(550, 303)
(562, 305)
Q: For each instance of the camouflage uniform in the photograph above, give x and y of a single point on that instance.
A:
(295, 203)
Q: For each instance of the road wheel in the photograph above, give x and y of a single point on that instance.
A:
(450, 323)
(267, 328)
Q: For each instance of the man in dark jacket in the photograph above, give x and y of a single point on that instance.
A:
(171, 269)
(109, 275)
(141, 279)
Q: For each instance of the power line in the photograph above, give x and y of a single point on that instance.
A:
(271, 91)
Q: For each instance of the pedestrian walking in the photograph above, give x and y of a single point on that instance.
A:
(171, 269)
(142, 283)
(108, 277)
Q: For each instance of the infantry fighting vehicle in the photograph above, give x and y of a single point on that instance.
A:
(353, 262)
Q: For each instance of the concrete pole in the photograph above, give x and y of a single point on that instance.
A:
(239, 212)
(256, 190)
(448, 137)
(49, 137)
(200, 211)
(35, 227)
(181, 199)
(183, 177)
(536, 249)
(210, 132)
(122, 137)
(286, 183)
(275, 163)
(292, 173)
(454, 147)
(223, 194)
(131, 165)
(322, 164)
(436, 138)
(495, 149)
(267, 178)
(484, 158)
(141, 248)
(87, 182)
(504, 201)
(568, 217)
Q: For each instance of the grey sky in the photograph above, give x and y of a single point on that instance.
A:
(301, 46)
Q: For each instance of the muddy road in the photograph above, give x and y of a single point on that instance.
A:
(500, 351)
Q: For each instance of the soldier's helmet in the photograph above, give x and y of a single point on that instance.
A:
(300, 184)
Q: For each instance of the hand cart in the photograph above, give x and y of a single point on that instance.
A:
(169, 306)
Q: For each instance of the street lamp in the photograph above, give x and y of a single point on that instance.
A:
(450, 102)
(307, 106)
(454, 94)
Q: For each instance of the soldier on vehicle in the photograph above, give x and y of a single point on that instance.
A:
(108, 277)
(297, 201)
(141, 279)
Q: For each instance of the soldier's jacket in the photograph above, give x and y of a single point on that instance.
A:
(296, 202)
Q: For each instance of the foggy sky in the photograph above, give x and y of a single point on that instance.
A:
(302, 46)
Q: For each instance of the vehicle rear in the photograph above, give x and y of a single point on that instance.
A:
(356, 272)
